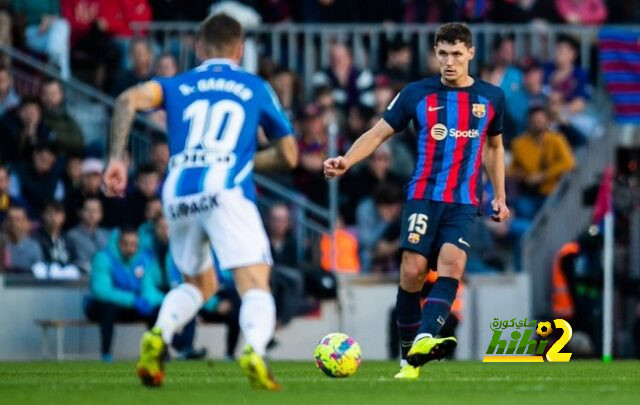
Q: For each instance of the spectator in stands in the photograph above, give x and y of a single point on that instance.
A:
(66, 131)
(287, 279)
(374, 216)
(283, 245)
(384, 93)
(146, 188)
(8, 96)
(540, 158)
(6, 32)
(72, 177)
(582, 12)
(20, 130)
(130, 12)
(346, 250)
(114, 209)
(21, 251)
(564, 75)
(55, 246)
(506, 75)
(309, 178)
(38, 180)
(533, 84)
(166, 65)
(6, 199)
(363, 181)
(332, 116)
(122, 287)
(46, 31)
(287, 88)
(350, 85)
(141, 67)
(87, 238)
(93, 26)
(159, 157)
(399, 67)
(147, 231)
(560, 121)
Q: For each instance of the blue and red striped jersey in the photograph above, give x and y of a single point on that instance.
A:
(452, 125)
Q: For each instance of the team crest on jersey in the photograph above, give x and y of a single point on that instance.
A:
(414, 238)
(478, 110)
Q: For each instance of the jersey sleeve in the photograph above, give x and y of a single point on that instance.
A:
(399, 113)
(496, 124)
(272, 118)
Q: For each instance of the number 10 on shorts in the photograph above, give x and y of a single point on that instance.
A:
(417, 227)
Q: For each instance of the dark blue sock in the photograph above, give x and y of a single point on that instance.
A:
(408, 318)
(438, 305)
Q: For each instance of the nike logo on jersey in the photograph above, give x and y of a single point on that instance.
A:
(430, 109)
(464, 242)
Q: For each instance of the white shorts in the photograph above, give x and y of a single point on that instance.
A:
(226, 222)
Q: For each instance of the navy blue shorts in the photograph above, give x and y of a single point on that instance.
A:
(427, 225)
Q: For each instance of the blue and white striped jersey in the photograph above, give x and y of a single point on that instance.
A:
(213, 113)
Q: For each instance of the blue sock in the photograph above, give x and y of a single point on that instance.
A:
(438, 305)
(408, 319)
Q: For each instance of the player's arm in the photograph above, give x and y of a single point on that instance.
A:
(494, 165)
(139, 98)
(362, 148)
(282, 154)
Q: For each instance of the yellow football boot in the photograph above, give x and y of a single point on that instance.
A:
(254, 367)
(150, 366)
(429, 348)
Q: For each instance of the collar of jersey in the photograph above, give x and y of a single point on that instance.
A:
(218, 61)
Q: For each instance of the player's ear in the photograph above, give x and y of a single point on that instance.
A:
(200, 54)
(239, 51)
(472, 52)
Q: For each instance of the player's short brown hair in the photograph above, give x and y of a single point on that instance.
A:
(220, 33)
(454, 32)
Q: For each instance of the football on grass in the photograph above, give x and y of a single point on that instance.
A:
(338, 355)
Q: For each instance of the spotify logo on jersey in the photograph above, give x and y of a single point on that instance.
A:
(439, 132)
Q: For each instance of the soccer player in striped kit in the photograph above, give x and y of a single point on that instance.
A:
(458, 119)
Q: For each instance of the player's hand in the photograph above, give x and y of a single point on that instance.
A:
(500, 210)
(115, 179)
(334, 167)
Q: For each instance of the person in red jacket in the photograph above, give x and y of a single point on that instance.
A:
(101, 32)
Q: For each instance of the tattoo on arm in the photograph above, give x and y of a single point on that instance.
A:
(121, 123)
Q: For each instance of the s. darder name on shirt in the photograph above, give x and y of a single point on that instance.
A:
(229, 86)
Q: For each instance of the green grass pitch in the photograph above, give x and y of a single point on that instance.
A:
(576, 382)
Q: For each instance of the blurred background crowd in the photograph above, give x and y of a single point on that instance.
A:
(58, 223)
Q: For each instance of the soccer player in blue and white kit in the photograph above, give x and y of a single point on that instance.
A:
(213, 114)
(458, 120)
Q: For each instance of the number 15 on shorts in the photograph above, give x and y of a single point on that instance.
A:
(417, 227)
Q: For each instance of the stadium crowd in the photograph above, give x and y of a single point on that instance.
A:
(57, 221)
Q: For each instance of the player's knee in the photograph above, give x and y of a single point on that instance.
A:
(451, 263)
(412, 271)
(205, 283)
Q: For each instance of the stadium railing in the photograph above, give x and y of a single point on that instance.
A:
(304, 48)
(92, 109)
